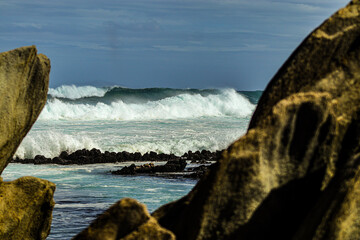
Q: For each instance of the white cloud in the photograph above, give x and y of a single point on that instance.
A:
(29, 25)
(246, 47)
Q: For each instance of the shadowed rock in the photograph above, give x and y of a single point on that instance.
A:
(295, 173)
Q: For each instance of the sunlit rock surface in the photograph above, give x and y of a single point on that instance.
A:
(127, 220)
(24, 82)
(26, 204)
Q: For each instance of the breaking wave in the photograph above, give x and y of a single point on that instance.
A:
(144, 104)
(75, 92)
(51, 143)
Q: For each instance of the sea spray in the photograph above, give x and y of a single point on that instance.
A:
(51, 143)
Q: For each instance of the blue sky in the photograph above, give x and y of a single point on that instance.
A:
(162, 43)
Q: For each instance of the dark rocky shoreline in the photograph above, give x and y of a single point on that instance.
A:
(95, 156)
(174, 167)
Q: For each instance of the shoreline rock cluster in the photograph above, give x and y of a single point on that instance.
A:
(174, 164)
(95, 156)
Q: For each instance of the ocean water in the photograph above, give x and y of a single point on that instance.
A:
(122, 119)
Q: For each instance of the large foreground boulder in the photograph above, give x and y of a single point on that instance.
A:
(26, 204)
(296, 172)
(24, 81)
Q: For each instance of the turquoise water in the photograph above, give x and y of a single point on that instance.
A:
(134, 120)
(83, 192)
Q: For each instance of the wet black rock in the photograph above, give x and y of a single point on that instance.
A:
(94, 156)
(172, 166)
(40, 159)
(197, 172)
(177, 165)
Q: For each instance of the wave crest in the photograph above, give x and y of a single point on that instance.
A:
(226, 103)
(76, 92)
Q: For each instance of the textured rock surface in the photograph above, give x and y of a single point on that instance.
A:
(295, 174)
(26, 206)
(24, 80)
(126, 219)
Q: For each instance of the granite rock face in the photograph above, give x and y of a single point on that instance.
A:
(26, 204)
(127, 219)
(24, 81)
(296, 172)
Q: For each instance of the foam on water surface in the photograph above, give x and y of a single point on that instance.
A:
(80, 194)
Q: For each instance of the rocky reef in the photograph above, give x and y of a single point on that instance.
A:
(93, 156)
(295, 173)
(25, 204)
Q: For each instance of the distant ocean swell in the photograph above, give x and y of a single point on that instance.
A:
(90, 103)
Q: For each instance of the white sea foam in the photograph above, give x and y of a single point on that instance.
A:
(227, 103)
(51, 143)
(76, 92)
(180, 146)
